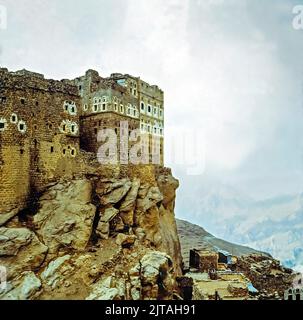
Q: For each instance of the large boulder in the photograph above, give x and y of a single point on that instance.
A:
(151, 199)
(168, 186)
(109, 214)
(20, 250)
(156, 276)
(54, 273)
(128, 205)
(5, 217)
(104, 290)
(112, 191)
(66, 215)
(22, 288)
(125, 240)
(154, 267)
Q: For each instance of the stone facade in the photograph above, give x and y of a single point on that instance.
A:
(47, 126)
(108, 101)
(39, 133)
(203, 260)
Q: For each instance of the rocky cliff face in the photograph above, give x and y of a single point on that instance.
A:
(104, 236)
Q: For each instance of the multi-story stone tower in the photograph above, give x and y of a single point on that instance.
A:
(47, 126)
(108, 101)
(150, 99)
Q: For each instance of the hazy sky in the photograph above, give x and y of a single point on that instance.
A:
(231, 70)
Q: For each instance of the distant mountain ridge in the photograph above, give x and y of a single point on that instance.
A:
(272, 225)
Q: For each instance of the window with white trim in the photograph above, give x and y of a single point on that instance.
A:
(22, 126)
(3, 124)
(14, 118)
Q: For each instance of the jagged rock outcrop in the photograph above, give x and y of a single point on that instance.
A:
(156, 270)
(96, 238)
(66, 215)
(23, 287)
(20, 250)
(151, 279)
(267, 275)
(143, 207)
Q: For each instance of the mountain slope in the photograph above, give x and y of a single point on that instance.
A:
(193, 236)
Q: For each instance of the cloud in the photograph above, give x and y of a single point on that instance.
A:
(231, 70)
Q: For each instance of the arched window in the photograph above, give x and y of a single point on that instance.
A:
(74, 128)
(14, 118)
(22, 126)
(72, 109)
(73, 152)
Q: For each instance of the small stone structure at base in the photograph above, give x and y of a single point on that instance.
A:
(203, 260)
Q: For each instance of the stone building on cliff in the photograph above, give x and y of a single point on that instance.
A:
(48, 127)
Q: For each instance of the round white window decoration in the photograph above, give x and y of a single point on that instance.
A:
(14, 118)
(22, 126)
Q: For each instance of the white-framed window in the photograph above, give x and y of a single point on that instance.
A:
(104, 99)
(73, 152)
(155, 111)
(74, 128)
(65, 106)
(3, 124)
(121, 108)
(14, 118)
(142, 107)
(149, 109)
(85, 107)
(161, 113)
(64, 126)
(72, 109)
(104, 107)
(22, 126)
(116, 107)
(95, 108)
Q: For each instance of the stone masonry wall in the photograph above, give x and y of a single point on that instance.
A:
(33, 112)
